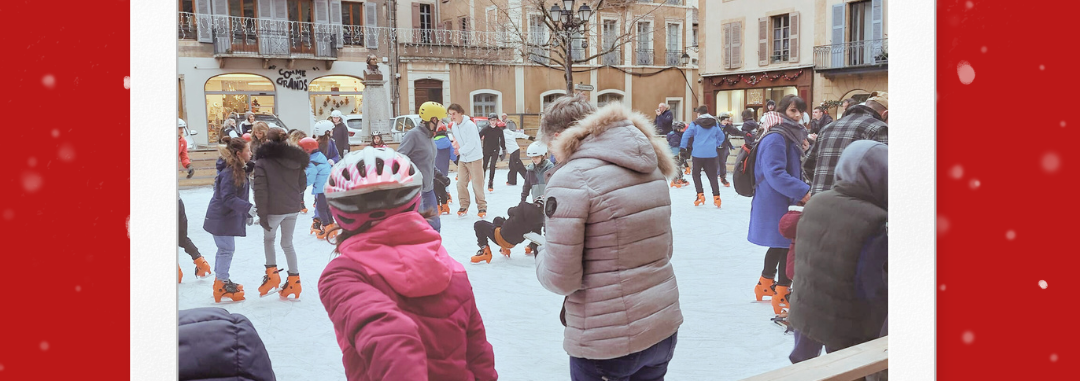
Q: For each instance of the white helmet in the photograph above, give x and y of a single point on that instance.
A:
(536, 149)
(321, 128)
(180, 123)
(337, 114)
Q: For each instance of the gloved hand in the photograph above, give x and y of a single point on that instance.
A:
(684, 154)
(190, 172)
(252, 212)
(502, 156)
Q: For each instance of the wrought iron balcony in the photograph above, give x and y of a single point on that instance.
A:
(240, 36)
(854, 54)
(352, 35)
(186, 26)
(673, 58)
(643, 57)
(613, 58)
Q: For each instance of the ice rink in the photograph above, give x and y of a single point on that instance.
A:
(726, 334)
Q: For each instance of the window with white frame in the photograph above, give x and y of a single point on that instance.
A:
(604, 99)
(610, 32)
(538, 39)
(674, 45)
(643, 54)
(781, 39)
(484, 104)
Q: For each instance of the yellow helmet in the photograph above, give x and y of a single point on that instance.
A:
(430, 110)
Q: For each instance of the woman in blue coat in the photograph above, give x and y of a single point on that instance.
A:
(229, 213)
(778, 174)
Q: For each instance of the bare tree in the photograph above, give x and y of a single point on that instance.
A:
(553, 47)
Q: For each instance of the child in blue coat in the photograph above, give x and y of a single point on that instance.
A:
(707, 136)
(318, 171)
(228, 212)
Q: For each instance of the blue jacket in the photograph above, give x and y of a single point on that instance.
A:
(674, 138)
(318, 170)
(778, 172)
(331, 151)
(228, 211)
(707, 136)
(217, 345)
(444, 153)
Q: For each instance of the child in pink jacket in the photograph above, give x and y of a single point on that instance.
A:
(402, 308)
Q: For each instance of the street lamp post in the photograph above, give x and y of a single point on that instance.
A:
(566, 26)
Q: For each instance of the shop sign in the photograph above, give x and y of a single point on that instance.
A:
(293, 79)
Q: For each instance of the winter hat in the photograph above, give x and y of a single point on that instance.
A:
(880, 97)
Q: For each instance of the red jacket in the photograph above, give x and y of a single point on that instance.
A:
(788, 224)
(184, 160)
(403, 309)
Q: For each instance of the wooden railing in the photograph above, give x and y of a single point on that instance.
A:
(844, 365)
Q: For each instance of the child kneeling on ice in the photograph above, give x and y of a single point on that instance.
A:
(521, 219)
(402, 308)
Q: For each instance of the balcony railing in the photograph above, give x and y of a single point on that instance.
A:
(186, 26)
(852, 54)
(256, 37)
(643, 57)
(673, 58)
(352, 35)
(613, 58)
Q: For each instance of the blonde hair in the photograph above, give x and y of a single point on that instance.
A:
(295, 136)
(563, 113)
(260, 126)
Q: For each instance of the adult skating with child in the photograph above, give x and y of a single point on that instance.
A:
(402, 309)
(621, 311)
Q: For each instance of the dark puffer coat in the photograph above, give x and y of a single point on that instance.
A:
(217, 345)
(280, 178)
(835, 227)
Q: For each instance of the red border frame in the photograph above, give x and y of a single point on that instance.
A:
(65, 311)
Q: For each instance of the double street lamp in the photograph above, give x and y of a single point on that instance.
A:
(566, 21)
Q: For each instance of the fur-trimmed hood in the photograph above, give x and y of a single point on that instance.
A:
(618, 135)
(289, 156)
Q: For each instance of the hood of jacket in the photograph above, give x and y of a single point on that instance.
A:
(414, 264)
(220, 164)
(618, 135)
(705, 121)
(287, 155)
(318, 158)
(863, 172)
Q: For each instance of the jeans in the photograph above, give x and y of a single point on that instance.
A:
(226, 245)
(322, 210)
(428, 203)
(647, 365)
(490, 159)
(287, 222)
(184, 241)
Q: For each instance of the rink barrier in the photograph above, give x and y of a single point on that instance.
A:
(851, 363)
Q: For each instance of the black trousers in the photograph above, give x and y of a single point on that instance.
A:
(185, 242)
(775, 264)
(490, 158)
(709, 165)
(516, 168)
(485, 231)
(440, 193)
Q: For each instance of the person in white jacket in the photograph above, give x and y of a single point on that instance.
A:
(513, 151)
(470, 160)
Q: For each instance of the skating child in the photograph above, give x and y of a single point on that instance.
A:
(321, 132)
(444, 150)
(377, 142)
(674, 139)
(508, 232)
(228, 211)
(402, 308)
(318, 170)
(707, 136)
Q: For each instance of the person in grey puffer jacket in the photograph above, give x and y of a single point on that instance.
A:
(621, 312)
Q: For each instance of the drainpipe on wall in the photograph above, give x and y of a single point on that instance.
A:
(394, 60)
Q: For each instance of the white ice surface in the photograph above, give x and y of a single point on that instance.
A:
(725, 335)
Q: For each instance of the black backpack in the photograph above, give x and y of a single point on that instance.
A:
(744, 167)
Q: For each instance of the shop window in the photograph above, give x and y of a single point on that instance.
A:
(484, 104)
(335, 92)
(732, 101)
(232, 95)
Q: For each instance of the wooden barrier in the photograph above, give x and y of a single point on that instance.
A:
(844, 365)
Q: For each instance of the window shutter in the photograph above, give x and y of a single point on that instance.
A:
(321, 28)
(266, 13)
(320, 11)
(335, 21)
(204, 21)
(281, 10)
(837, 36)
(220, 30)
(416, 15)
(727, 46)
(371, 20)
(875, 28)
(763, 41)
(793, 21)
(736, 45)
(221, 7)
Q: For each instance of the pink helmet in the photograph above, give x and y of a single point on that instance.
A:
(370, 185)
